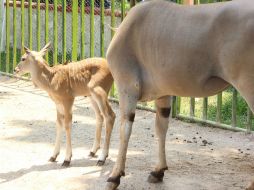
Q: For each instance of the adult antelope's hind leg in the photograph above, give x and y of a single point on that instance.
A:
(127, 103)
(99, 122)
(245, 85)
(161, 126)
(67, 125)
(101, 98)
(59, 127)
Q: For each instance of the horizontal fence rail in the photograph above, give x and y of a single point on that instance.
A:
(79, 29)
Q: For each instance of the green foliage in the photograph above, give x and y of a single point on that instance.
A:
(226, 110)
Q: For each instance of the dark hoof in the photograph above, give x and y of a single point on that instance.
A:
(100, 162)
(111, 186)
(153, 179)
(66, 163)
(52, 159)
(251, 186)
(156, 176)
(114, 182)
(91, 154)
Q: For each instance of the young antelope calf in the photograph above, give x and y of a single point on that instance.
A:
(89, 77)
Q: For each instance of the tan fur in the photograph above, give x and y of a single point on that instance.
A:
(163, 49)
(89, 77)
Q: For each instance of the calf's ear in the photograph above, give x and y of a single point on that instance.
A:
(45, 48)
(27, 50)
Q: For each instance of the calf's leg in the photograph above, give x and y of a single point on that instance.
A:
(67, 126)
(99, 122)
(59, 127)
(100, 97)
(161, 126)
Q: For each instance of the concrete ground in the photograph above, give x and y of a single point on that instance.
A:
(27, 134)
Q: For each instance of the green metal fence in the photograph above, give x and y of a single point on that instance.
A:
(78, 29)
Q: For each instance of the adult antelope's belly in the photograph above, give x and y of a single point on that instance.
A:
(153, 88)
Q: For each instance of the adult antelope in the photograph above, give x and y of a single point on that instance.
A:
(89, 77)
(163, 49)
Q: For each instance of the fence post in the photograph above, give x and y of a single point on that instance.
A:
(219, 105)
(102, 44)
(82, 29)
(205, 106)
(74, 29)
(38, 25)
(46, 26)
(14, 36)
(7, 68)
(55, 34)
(234, 106)
(64, 31)
(113, 23)
(30, 10)
(122, 9)
(91, 28)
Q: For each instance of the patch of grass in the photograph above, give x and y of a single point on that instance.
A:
(226, 111)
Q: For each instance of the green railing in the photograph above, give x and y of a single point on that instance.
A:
(78, 30)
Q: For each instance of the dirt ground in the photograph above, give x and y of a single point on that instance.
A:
(27, 134)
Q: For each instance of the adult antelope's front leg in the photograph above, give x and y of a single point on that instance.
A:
(59, 127)
(127, 109)
(161, 126)
(67, 126)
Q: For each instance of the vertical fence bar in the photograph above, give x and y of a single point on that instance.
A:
(74, 30)
(82, 29)
(7, 68)
(14, 35)
(113, 23)
(55, 34)
(38, 25)
(46, 26)
(64, 30)
(178, 104)
(122, 9)
(30, 25)
(173, 106)
(192, 107)
(91, 28)
(249, 120)
(102, 44)
(22, 26)
(113, 18)
(205, 107)
(234, 106)
(219, 105)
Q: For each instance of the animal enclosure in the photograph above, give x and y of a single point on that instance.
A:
(78, 30)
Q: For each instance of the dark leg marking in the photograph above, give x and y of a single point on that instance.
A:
(131, 117)
(157, 176)
(52, 159)
(116, 179)
(92, 154)
(165, 112)
(66, 163)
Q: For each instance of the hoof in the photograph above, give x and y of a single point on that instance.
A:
(251, 186)
(111, 186)
(66, 163)
(156, 176)
(52, 159)
(100, 162)
(91, 154)
(114, 182)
